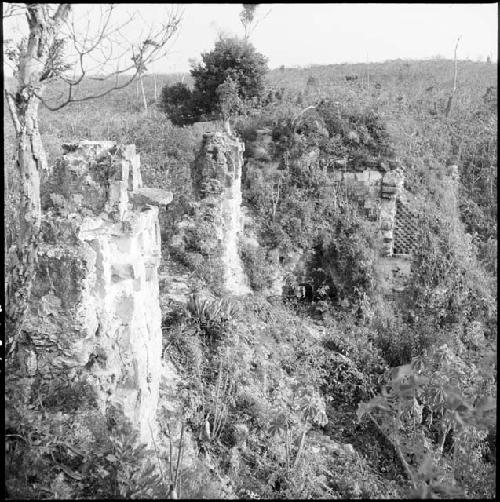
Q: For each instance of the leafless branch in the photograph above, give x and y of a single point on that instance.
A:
(97, 52)
(13, 9)
(70, 98)
(450, 99)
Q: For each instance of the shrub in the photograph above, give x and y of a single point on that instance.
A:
(231, 58)
(447, 285)
(197, 246)
(76, 455)
(177, 102)
(257, 267)
(345, 257)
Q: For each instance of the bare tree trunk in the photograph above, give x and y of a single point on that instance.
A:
(156, 95)
(450, 99)
(144, 101)
(22, 257)
(30, 162)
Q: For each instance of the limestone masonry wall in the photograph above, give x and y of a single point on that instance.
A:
(95, 314)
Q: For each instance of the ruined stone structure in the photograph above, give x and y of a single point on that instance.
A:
(378, 187)
(95, 315)
(217, 181)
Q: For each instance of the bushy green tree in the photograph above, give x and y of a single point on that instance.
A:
(231, 58)
(177, 102)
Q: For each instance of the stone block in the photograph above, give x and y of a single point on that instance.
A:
(90, 150)
(393, 178)
(151, 196)
(371, 162)
(386, 225)
(387, 248)
(387, 235)
(362, 177)
(387, 196)
(374, 176)
(122, 272)
(389, 187)
(337, 176)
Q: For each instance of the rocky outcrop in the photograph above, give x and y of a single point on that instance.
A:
(95, 314)
(217, 183)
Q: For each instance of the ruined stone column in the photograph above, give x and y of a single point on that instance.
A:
(95, 313)
(392, 270)
(391, 187)
(217, 181)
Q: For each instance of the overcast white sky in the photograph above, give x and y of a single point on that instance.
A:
(303, 34)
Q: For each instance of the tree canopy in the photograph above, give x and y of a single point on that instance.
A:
(231, 58)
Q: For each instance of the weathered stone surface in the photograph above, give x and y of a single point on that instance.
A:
(152, 196)
(217, 181)
(96, 297)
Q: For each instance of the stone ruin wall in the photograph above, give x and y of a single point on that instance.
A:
(379, 190)
(95, 314)
(377, 185)
(216, 179)
(381, 193)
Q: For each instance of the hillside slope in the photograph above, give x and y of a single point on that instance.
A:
(318, 384)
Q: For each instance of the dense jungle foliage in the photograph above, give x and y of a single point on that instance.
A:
(347, 395)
